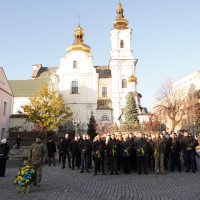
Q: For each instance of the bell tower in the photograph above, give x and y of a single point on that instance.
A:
(122, 62)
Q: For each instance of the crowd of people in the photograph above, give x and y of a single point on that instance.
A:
(128, 152)
(113, 153)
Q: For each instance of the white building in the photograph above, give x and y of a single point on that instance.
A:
(100, 90)
(6, 97)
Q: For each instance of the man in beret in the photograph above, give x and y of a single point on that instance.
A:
(38, 157)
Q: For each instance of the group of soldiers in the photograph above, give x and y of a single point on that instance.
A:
(139, 152)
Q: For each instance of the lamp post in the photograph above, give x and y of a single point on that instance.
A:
(194, 128)
(76, 122)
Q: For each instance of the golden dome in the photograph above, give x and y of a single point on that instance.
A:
(79, 47)
(78, 44)
(120, 22)
(132, 78)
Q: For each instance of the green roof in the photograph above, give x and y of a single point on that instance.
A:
(25, 88)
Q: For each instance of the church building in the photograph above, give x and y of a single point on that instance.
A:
(89, 89)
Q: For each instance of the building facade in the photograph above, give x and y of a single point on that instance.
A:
(97, 90)
(6, 98)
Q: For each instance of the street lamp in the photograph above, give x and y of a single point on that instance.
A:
(76, 122)
(194, 128)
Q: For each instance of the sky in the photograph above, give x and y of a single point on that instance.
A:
(166, 36)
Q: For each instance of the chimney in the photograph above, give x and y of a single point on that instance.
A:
(36, 69)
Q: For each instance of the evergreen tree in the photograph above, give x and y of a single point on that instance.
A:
(92, 127)
(131, 112)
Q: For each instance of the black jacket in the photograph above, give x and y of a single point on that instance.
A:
(51, 147)
(4, 150)
(74, 147)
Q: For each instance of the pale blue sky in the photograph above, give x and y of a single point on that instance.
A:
(166, 36)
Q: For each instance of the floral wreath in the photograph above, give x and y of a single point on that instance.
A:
(24, 177)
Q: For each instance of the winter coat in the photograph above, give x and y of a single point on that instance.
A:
(141, 147)
(65, 145)
(4, 150)
(74, 147)
(51, 147)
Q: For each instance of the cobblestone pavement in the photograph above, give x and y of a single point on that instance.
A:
(65, 184)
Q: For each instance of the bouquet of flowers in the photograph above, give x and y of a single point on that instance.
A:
(23, 179)
(113, 150)
(141, 151)
(156, 153)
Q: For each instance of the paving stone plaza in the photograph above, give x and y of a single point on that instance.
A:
(65, 184)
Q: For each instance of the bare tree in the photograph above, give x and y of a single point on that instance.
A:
(171, 103)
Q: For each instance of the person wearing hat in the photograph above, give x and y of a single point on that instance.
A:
(4, 150)
(38, 157)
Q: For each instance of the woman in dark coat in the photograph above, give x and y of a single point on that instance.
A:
(4, 150)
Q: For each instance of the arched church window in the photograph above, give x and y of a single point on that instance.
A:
(124, 83)
(74, 64)
(74, 87)
(121, 44)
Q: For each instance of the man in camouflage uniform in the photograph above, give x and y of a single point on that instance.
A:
(159, 148)
(37, 157)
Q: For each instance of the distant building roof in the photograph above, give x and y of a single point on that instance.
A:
(25, 88)
(103, 71)
(45, 72)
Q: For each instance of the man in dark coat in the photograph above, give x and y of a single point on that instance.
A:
(85, 148)
(126, 154)
(189, 144)
(74, 152)
(113, 152)
(4, 150)
(51, 148)
(65, 151)
(174, 152)
(59, 147)
(142, 152)
(98, 149)
(18, 142)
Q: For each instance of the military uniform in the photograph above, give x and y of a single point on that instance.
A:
(38, 156)
(159, 152)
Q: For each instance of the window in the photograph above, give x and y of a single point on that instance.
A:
(104, 118)
(74, 64)
(4, 107)
(104, 91)
(74, 87)
(124, 83)
(121, 43)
